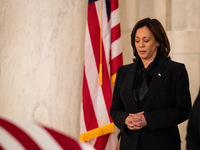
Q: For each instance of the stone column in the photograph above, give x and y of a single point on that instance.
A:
(41, 61)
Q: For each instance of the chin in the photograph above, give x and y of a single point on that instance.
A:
(143, 57)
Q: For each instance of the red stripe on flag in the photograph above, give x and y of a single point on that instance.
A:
(1, 148)
(93, 25)
(88, 109)
(106, 87)
(115, 33)
(115, 63)
(101, 142)
(64, 141)
(20, 135)
(113, 5)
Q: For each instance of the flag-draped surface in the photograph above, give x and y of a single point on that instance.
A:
(16, 134)
(103, 26)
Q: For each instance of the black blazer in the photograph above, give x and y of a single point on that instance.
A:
(167, 103)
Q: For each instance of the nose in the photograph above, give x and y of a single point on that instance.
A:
(141, 44)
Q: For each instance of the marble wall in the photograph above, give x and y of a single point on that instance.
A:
(41, 61)
(42, 49)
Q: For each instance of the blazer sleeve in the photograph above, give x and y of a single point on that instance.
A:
(117, 111)
(172, 116)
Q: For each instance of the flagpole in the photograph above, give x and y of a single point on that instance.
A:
(100, 65)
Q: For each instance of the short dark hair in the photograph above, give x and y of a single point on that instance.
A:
(159, 33)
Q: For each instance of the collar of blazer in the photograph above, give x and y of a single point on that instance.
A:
(157, 79)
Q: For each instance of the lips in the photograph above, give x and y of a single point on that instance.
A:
(142, 52)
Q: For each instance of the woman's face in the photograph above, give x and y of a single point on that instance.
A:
(146, 44)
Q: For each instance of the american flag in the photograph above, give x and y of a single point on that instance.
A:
(17, 134)
(102, 48)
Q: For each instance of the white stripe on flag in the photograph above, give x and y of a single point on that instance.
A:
(104, 17)
(86, 146)
(37, 133)
(115, 18)
(116, 48)
(112, 140)
(82, 121)
(94, 88)
(92, 142)
(8, 142)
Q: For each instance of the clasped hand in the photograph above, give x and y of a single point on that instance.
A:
(136, 121)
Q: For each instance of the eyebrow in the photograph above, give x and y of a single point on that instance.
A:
(143, 37)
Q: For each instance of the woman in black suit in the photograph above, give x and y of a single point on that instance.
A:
(151, 96)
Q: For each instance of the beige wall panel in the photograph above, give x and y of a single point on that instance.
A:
(185, 15)
(184, 41)
(128, 14)
(153, 9)
(127, 48)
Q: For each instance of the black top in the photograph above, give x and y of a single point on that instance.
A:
(143, 79)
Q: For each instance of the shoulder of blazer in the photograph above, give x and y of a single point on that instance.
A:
(170, 64)
(176, 67)
(126, 72)
(174, 63)
(128, 67)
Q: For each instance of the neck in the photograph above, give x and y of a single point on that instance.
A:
(146, 63)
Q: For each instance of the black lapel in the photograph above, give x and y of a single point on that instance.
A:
(156, 82)
(130, 83)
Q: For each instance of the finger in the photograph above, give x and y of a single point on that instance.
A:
(131, 115)
(137, 124)
(128, 120)
(131, 127)
(137, 119)
(142, 112)
(134, 128)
